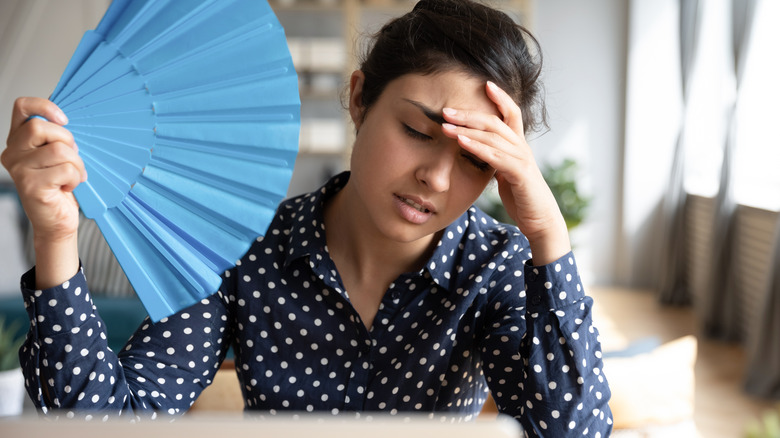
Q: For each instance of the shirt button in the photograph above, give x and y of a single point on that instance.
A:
(536, 300)
(395, 295)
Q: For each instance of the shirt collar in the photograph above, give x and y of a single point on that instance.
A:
(307, 232)
(307, 224)
(443, 264)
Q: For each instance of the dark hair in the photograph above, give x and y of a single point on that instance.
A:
(441, 35)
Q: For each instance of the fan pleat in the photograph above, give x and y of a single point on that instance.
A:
(187, 118)
(119, 172)
(157, 265)
(124, 167)
(271, 154)
(247, 95)
(130, 92)
(180, 29)
(126, 14)
(111, 190)
(182, 259)
(208, 242)
(136, 110)
(104, 69)
(246, 180)
(212, 241)
(223, 46)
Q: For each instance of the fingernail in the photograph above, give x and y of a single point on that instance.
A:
(464, 139)
(448, 126)
(61, 117)
(492, 85)
(449, 111)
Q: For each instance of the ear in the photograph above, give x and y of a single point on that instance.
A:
(356, 97)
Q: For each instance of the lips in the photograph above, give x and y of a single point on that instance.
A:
(413, 210)
(415, 205)
(418, 204)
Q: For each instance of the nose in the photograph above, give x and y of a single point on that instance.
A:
(436, 171)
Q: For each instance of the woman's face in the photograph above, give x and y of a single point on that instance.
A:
(409, 179)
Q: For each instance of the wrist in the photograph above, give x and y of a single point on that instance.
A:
(56, 260)
(549, 244)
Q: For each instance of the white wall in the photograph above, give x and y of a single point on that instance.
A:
(37, 38)
(584, 47)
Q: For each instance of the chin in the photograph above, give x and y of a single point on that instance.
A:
(412, 233)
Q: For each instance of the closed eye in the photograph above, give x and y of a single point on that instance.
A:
(417, 135)
(480, 165)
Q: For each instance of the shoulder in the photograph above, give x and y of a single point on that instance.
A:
(309, 206)
(295, 207)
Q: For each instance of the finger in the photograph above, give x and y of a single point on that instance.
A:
(512, 114)
(36, 132)
(26, 107)
(52, 154)
(508, 163)
(55, 154)
(34, 184)
(494, 157)
(65, 176)
(484, 137)
(480, 121)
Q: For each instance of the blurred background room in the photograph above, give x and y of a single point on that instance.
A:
(662, 147)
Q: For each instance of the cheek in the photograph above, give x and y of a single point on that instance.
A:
(389, 152)
(470, 187)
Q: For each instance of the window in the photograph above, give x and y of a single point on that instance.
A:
(757, 160)
(755, 163)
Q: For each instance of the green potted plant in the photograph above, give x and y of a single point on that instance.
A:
(11, 379)
(562, 179)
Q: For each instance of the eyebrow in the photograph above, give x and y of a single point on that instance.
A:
(429, 113)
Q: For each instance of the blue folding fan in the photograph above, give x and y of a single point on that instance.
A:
(187, 117)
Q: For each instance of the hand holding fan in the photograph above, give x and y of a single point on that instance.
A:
(187, 115)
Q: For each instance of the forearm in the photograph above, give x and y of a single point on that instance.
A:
(69, 366)
(552, 355)
(564, 366)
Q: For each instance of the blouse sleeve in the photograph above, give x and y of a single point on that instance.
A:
(70, 370)
(542, 354)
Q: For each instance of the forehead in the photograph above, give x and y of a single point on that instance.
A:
(441, 90)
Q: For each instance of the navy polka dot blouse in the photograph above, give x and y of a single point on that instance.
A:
(477, 318)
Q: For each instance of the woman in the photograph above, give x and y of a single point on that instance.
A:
(386, 290)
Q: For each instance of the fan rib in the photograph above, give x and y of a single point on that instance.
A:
(204, 253)
(282, 71)
(219, 222)
(250, 193)
(261, 154)
(172, 250)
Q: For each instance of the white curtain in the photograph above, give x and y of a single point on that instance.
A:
(654, 111)
(672, 288)
(713, 39)
(720, 312)
(717, 46)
